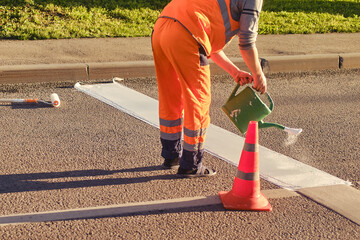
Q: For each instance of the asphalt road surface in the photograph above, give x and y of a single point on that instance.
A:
(87, 153)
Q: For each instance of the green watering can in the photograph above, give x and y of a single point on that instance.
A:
(246, 106)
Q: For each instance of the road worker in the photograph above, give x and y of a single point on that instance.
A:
(186, 34)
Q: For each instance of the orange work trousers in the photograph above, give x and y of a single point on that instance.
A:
(183, 76)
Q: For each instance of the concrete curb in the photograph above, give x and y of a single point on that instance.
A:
(43, 73)
(94, 71)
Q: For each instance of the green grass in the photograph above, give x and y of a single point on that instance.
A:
(54, 19)
(309, 16)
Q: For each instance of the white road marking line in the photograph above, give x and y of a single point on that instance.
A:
(127, 208)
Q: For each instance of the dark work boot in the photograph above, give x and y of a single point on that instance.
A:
(171, 163)
(202, 171)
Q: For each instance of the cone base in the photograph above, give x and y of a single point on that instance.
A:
(233, 202)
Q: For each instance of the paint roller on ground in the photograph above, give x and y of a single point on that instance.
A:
(54, 100)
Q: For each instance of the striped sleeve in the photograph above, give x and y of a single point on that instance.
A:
(249, 21)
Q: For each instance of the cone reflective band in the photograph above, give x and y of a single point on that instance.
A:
(55, 100)
(245, 193)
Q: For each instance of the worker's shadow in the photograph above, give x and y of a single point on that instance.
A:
(52, 180)
(46, 181)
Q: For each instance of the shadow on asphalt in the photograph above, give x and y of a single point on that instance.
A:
(26, 105)
(47, 181)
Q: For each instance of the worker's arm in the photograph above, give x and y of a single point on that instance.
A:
(249, 23)
(225, 63)
(251, 59)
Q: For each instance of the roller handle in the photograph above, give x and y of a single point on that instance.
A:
(19, 100)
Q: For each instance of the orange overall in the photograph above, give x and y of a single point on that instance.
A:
(184, 36)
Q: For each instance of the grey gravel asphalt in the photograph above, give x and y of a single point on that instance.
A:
(87, 154)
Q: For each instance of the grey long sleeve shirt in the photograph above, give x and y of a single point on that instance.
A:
(247, 12)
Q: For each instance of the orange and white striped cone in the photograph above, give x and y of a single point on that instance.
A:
(245, 193)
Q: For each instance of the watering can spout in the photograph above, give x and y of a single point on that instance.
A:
(268, 124)
(290, 131)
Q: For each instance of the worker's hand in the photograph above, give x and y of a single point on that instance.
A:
(242, 77)
(260, 83)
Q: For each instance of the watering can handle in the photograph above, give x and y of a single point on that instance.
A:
(271, 107)
(232, 95)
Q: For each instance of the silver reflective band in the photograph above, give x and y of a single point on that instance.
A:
(249, 147)
(225, 15)
(170, 136)
(247, 176)
(195, 133)
(171, 123)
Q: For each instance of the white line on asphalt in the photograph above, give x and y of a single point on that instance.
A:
(127, 208)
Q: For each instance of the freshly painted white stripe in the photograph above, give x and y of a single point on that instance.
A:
(279, 169)
(131, 102)
(274, 167)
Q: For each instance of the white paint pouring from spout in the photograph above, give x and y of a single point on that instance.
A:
(279, 169)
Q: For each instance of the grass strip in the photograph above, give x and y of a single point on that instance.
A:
(55, 19)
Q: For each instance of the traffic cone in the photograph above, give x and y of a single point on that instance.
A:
(245, 193)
